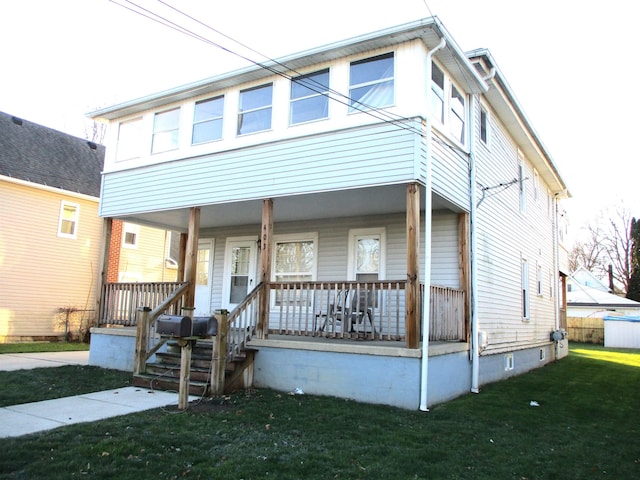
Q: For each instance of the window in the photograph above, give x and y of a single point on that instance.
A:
(165, 131)
(457, 114)
(309, 97)
(130, 234)
(525, 289)
(207, 120)
(129, 135)
(371, 83)
(366, 254)
(484, 126)
(521, 185)
(550, 284)
(255, 109)
(536, 184)
(448, 104)
(68, 221)
(437, 97)
(539, 280)
(294, 261)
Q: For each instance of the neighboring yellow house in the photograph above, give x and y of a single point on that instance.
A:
(146, 255)
(50, 232)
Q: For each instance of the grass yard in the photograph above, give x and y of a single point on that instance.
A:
(587, 426)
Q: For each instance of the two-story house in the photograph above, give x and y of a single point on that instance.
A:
(378, 215)
(50, 231)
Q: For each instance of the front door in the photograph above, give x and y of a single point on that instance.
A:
(204, 271)
(239, 271)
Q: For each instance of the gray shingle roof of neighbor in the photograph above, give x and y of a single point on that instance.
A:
(39, 154)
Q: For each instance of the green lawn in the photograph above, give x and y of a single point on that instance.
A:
(31, 347)
(587, 426)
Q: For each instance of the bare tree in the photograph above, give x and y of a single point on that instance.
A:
(608, 242)
(95, 131)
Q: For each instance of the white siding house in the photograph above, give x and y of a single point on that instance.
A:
(392, 163)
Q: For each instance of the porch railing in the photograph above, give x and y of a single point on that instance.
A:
(119, 301)
(366, 310)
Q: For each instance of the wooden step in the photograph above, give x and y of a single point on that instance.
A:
(154, 382)
(173, 371)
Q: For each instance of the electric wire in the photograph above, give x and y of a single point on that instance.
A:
(378, 114)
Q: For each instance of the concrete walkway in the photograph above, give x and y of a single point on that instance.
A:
(35, 417)
(20, 361)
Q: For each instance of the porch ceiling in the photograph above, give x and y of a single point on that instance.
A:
(345, 203)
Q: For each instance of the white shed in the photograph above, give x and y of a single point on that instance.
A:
(622, 332)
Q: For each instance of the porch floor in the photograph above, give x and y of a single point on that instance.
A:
(391, 348)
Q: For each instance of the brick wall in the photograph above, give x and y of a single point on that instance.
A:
(114, 251)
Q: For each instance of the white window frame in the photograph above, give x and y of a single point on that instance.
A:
(129, 144)
(316, 90)
(446, 121)
(75, 220)
(539, 279)
(358, 233)
(522, 186)
(484, 112)
(242, 112)
(536, 185)
(293, 238)
(171, 130)
(525, 307)
(219, 118)
(356, 105)
(133, 229)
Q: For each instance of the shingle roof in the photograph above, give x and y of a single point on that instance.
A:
(38, 154)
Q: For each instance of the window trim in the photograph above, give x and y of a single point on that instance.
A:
(137, 151)
(445, 122)
(293, 238)
(133, 229)
(167, 130)
(75, 221)
(484, 112)
(525, 308)
(522, 189)
(354, 235)
(318, 90)
(242, 112)
(200, 122)
(355, 106)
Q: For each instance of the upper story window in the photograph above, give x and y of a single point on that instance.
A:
(68, 220)
(129, 136)
(457, 114)
(207, 120)
(484, 126)
(437, 89)
(255, 109)
(371, 83)
(448, 104)
(522, 185)
(310, 97)
(166, 126)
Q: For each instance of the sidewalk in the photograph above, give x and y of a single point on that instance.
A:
(39, 416)
(35, 417)
(20, 361)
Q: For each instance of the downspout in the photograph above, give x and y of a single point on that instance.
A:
(424, 367)
(556, 269)
(473, 269)
(473, 242)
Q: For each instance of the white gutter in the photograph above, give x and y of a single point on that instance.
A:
(427, 240)
(556, 269)
(473, 268)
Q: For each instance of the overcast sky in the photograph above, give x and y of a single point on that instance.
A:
(571, 63)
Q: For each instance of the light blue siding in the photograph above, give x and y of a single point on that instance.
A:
(379, 155)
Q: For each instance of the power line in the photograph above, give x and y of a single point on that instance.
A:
(376, 113)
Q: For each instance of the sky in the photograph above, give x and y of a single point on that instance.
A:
(570, 63)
